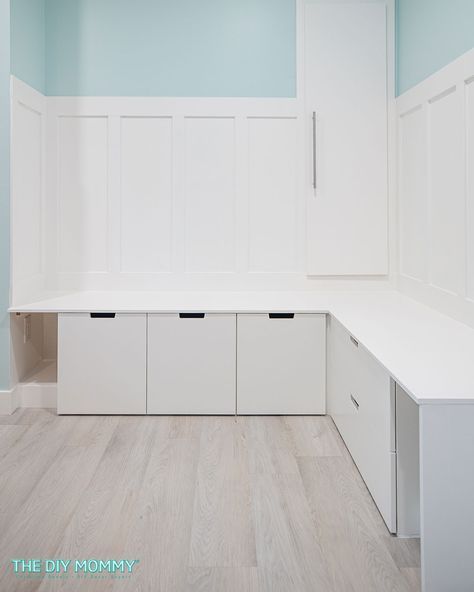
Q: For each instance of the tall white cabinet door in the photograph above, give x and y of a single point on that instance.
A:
(346, 88)
(101, 363)
(281, 364)
(191, 364)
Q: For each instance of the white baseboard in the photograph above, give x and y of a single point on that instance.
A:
(37, 396)
(32, 396)
(9, 401)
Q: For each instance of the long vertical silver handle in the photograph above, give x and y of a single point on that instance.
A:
(315, 175)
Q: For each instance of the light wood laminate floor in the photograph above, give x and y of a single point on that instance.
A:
(208, 504)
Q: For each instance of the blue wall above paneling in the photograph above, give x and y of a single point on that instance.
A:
(28, 51)
(171, 47)
(430, 34)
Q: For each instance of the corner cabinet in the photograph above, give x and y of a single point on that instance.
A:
(281, 364)
(345, 89)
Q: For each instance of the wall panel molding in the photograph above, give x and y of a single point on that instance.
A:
(27, 190)
(116, 205)
(198, 193)
(436, 190)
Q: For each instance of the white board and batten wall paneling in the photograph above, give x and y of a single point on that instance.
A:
(436, 189)
(27, 190)
(345, 78)
(179, 193)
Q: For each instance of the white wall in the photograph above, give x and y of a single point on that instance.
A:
(436, 189)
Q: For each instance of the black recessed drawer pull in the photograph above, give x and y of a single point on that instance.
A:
(102, 315)
(191, 315)
(281, 315)
(354, 341)
(355, 403)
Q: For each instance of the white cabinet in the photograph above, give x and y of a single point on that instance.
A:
(346, 88)
(361, 401)
(191, 363)
(101, 363)
(281, 360)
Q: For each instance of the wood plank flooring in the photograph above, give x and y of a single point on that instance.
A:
(211, 504)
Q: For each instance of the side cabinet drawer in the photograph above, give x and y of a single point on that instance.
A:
(281, 361)
(360, 402)
(101, 363)
(376, 457)
(342, 381)
(191, 363)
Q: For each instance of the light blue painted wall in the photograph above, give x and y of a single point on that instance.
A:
(171, 47)
(430, 34)
(4, 193)
(28, 50)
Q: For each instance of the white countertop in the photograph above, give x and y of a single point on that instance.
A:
(429, 354)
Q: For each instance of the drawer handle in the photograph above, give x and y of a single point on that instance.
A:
(354, 341)
(355, 403)
(102, 315)
(191, 315)
(281, 315)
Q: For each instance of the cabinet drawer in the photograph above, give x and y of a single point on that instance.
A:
(281, 363)
(342, 381)
(375, 452)
(360, 403)
(191, 363)
(101, 363)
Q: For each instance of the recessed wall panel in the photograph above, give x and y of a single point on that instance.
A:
(27, 191)
(82, 194)
(146, 194)
(210, 194)
(273, 195)
(447, 195)
(413, 195)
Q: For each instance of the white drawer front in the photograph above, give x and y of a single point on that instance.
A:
(191, 364)
(342, 382)
(375, 452)
(281, 364)
(359, 401)
(101, 364)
